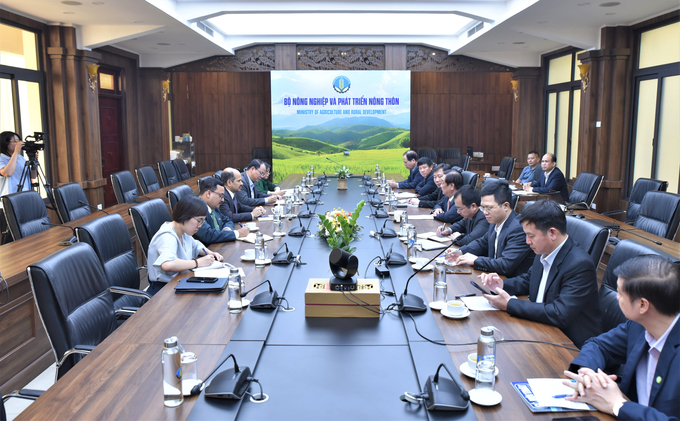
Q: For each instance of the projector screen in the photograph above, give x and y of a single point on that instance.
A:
(355, 118)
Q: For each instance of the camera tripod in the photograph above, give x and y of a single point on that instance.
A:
(33, 165)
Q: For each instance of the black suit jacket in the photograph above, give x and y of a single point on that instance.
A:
(514, 255)
(227, 209)
(448, 216)
(570, 300)
(426, 185)
(430, 200)
(412, 181)
(243, 196)
(556, 182)
(471, 229)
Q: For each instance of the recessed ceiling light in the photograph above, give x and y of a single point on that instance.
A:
(71, 3)
(298, 53)
(583, 4)
(518, 43)
(163, 43)
(610, 4)
(434, 54)
(609, 14)
(69, 13)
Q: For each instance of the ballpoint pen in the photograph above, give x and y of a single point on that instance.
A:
(561, 396)
(472, 294)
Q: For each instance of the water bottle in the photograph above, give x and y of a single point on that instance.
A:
(486, 345)
(311, 167)
(259, 250)
(235, 289)
(171, 365)
(289, 205)
(439, 288)
(404, 217)
(411, 238)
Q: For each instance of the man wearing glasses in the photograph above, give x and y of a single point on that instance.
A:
(249, 194)
(473, 225)
(503, 249)
(216, 227)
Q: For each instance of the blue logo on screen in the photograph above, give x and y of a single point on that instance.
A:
(341, 84)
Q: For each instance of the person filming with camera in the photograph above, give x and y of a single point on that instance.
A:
(12, 163)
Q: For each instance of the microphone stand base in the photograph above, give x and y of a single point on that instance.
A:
(411, 304)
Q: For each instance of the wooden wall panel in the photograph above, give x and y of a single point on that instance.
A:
(228, 115)
(450, 109)
(154, 133)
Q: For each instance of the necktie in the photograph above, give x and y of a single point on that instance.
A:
(215, 224)
(235, 205)
(448, 205)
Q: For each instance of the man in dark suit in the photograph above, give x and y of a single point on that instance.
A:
(551, 179)
(446, 210)
(249, 194)
(561, 284)
(473, 225)
(430, 200)
(503, 249)
(411, 163)
(216, 228)
(648, 344)
(426, 185)
(237, 212)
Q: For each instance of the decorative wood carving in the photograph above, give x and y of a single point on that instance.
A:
(423, 59)
(332, 57)
(254, 59)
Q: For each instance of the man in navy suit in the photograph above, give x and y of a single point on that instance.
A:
(411, 163)
(249, 194)
(426, 185)
(648, 343)
(446, 210)
(551, 179)
(216, 228)
(230, 207)
(503, 249)
(473, 225)
(561, 285)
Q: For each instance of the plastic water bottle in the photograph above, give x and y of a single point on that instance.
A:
(234, 286)
(439, 287)
(486, 345)
(260, 250)
(171, 364)
(289, 205)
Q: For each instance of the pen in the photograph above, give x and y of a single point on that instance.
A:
(472, 294)
(561, 396)
(441, 232)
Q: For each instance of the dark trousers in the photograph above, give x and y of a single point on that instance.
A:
(154, 287)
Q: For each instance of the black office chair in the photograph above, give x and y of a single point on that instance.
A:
(218, 175)
(147, 218)
(584, 190)
(74, 303)
(464, 162)
(506, 168)
(124, 187)
(28, 394)
(590, 236)
(182, 169)
(427, 152)
(147, 179)
(110, 239)
(470, 178)
(177, 193)
(449, 156)
(168, 173)
(513, 201)
(640, 188)
(25, 213)
(71, 202)
(659, 214)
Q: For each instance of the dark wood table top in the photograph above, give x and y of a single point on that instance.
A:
(121, 378)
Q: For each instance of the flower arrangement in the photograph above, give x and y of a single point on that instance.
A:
(339, 228)
(343, 172)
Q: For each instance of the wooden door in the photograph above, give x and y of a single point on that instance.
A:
(113, 148)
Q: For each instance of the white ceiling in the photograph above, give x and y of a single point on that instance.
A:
(165, 32)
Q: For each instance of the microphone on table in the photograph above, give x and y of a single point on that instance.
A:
(68, 242)
(618, 228)
(94, 207)
(413, 303)
(440, 394)
(387, 232)
(305, 213)
(394, 259)
(266, 299)
(300, 231)
(230, 384)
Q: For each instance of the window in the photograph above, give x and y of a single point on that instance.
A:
(655, 132)
(563, 105)
(21, 85)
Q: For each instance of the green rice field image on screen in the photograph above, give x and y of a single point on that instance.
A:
(355, 118)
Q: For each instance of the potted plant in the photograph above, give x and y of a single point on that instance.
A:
(343, 173)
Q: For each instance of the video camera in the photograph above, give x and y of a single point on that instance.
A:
(35, 144)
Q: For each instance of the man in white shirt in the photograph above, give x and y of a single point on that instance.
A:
(648, 344)
(561, 284)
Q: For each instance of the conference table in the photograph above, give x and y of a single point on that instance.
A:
(311, 368)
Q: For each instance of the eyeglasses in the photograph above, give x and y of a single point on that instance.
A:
(262, 173)
(486, 209)
(200, 221)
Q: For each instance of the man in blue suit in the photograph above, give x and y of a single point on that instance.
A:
(551, 179)
(411, 163)
(648, 343)
(216, 228)
(426, 185)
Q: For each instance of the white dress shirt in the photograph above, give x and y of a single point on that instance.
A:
(644, 373)
(547, 262)
(498, 229)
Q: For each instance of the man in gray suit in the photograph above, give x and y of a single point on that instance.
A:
(249, 194)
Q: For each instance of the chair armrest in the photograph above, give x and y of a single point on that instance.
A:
(141, 268)
(78, 349)
(613, 212)
(125, 312)
(28, 394)
(129, 291)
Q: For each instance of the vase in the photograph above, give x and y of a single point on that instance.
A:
(342, 184)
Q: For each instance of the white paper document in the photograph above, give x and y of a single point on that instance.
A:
(420, 217)
(478, 304)
(405, 195)
(266, 218)
(548, 393)
(216, 270)
(431, 245)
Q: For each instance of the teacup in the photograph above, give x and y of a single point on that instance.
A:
(472, 362)
(455, 307)
(249, 253)
(251, 225)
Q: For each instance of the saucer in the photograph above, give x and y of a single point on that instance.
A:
(445, 313)
(246, 259)
(437, 305)
(254, 229)
(419, 267)
(485, 397)
(465, 369)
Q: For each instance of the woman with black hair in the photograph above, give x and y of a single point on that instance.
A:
(12, 163)
(173, 249)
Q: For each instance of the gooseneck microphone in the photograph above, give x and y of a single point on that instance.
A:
(199, 387)
(305, 213)
(413, 303)
(68, 242)
(463, 393)
(94, 207)
(618, 228)
(387, 232)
